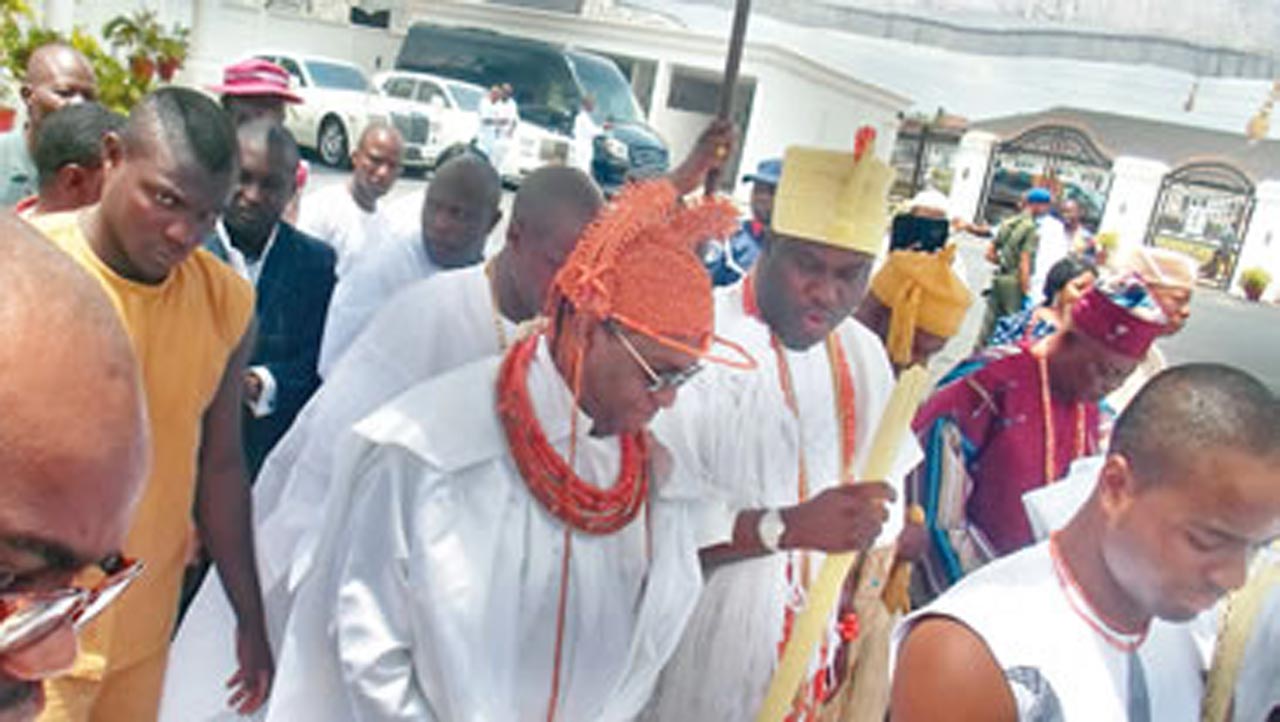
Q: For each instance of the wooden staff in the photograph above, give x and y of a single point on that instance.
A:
(895, 425)
(737, 38)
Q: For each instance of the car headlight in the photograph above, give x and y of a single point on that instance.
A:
(614, 148)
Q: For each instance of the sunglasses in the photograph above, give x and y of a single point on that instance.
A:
(658, 381)
(27, 617)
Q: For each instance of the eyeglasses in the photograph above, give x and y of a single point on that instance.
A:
(27, 617)
(658, 381)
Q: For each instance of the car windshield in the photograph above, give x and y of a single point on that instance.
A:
(468, 98)
(337, 76)
(606, 85)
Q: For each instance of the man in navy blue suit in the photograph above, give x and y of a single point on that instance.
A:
(294, 276)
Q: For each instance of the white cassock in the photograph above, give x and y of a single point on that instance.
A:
(432, 327)
(735, 434)
(376, 276)
(434, 593)
(331, 215)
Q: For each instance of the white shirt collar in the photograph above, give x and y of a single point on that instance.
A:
(249, 269)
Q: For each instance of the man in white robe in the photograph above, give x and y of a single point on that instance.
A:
(431, 327)
(454, 581)
(772, 444)
(1078, 628)
(459, 210)
(348, 216)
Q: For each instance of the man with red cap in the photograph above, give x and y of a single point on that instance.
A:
(255, 88)
(1016, 419)
(504, 541)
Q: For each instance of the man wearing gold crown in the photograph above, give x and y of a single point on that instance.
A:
(779, 448)
(513, 546)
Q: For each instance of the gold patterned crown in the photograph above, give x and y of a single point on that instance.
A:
(836, 198)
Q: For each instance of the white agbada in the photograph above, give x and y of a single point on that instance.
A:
(331, 215)
(401, 348)
(734, 433)
(376, 277)
(1053, 247)
(434, 594)
(1058, 667)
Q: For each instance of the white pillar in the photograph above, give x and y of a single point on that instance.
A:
(971, 161)
(1262, 239)
(1135, 187)
(60, 15)
(661, 89)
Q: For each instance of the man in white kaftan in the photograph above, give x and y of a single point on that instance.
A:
(447, 586)
(459, 210)
(348, 216)
(442, 593)
(730, 650)
(759, 446)
(433, 326)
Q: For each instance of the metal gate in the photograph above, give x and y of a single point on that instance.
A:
(1203, 210)
(1063, 158)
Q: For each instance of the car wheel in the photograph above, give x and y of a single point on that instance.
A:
(332, 143)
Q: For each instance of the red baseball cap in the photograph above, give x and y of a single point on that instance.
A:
(256, 77)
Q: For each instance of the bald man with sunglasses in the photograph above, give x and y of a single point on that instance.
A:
(74, 452)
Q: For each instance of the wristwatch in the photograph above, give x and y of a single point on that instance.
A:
(770, 529)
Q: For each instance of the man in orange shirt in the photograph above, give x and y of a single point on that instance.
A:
(188, 315)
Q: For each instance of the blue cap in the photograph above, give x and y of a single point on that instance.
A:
(768, 172)
(1039, 195)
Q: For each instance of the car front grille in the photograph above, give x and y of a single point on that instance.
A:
(414, 128)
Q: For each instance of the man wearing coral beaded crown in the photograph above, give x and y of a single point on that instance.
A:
(778, 448)
(512, 548)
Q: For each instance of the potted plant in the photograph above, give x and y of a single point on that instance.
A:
(12, 15)
(150, 50)
(1254, 281)
(8, 101)
(172, 51)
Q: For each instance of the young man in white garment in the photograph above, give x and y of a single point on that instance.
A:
(1078, 628)
(780, 448)
(459, 210)
(348, 216)
(511, 545)
(433, 326)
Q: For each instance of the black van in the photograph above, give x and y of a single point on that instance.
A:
(550, 82)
